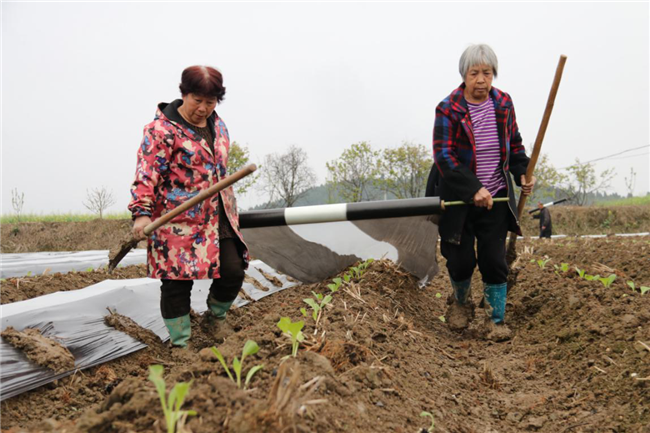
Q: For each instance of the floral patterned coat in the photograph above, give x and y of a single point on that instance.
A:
(174, 164)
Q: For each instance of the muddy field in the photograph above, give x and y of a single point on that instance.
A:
(381, 354)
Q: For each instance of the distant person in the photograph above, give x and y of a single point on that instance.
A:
(476, 147)
(545, 224)
(184, 151)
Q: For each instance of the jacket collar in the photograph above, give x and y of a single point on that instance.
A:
(458, 102)
(169, 112)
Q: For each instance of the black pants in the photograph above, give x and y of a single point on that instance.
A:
(489, 228)
(175, 294)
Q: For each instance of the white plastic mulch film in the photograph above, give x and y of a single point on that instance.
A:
(76, 320)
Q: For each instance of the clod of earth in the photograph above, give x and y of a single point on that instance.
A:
(40, 349)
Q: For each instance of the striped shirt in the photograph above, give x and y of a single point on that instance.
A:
(488, 154)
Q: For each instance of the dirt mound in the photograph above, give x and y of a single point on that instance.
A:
(591, 220)
(65, 236)
(40, 349)
(380, 354)
(22, 288)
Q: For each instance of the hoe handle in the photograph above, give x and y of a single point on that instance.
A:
(207, 193)
(542, 130)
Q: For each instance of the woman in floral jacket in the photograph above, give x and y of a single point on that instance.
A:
(184, 151)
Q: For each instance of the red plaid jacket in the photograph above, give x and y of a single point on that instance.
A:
(453, 176)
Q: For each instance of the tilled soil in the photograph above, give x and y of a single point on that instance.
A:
(44, 351)
(381, 354)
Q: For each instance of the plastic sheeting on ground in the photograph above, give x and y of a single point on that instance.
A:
(76, 319)
(19, 265)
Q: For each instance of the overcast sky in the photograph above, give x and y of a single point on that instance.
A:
(80, 80)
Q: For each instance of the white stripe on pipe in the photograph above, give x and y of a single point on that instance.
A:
(316, 214)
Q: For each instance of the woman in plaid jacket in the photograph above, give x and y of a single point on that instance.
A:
(476, 147)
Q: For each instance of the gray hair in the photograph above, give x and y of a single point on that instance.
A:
(480, 54)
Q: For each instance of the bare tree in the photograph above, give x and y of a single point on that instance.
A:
(98, 200)
(287, 176)
(630, 183)
(17, 202)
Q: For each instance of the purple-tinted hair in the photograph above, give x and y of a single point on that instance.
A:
(204, 81)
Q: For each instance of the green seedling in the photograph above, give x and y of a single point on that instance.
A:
(346, 277)
(581, 273)
(172, 406)
(542, 263)
(607, 281)
(631, 285)
(433, 424)
(442, 319)
(438, 295)
(563, 267)
(317, 304)
(29, 274)
(294, 329)
(336, 285)
(89, 270)
(358, 271)
(250, 348)
(591, 277)
(644, 290)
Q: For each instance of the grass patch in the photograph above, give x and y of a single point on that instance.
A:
(60, 218)
(631, 201)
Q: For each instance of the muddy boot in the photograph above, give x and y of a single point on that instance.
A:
(215, 319)
(461, 310)
(495, 328)
(180, 330)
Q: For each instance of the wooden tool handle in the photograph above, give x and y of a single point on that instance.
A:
(214, 189)
(542, 130)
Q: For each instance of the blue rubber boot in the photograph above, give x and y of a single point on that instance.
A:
(180, 330)
(461, 290)
(495, 296)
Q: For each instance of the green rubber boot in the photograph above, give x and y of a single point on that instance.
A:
(215, 319)
(180, 330)
(218, 309)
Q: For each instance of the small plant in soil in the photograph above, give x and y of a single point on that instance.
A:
(334, 287)
(433, 423)
(564, 267)
(316, 304)
(580, 272)
(643, 289)
(250, 348)
(172, 406)
(542, 263)
(592, 277)
(607, 281)
(294, 329)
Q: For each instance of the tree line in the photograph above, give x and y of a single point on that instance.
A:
(364, 173)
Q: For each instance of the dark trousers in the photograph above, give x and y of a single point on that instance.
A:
(175, 294)
(488, 228)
